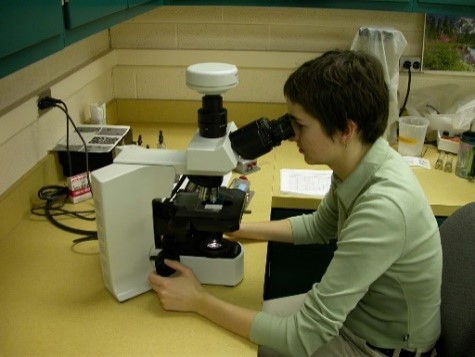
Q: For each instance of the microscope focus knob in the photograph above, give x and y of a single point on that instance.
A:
(161, 268)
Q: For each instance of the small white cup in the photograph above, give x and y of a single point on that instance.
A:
(412, 133)
(98, 113)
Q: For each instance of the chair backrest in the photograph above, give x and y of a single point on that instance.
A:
(458, 284)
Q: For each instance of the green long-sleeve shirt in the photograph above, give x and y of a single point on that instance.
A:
(384, 280)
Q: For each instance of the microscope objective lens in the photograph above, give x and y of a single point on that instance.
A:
(214, 244)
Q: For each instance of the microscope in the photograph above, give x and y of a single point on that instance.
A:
(144, 216)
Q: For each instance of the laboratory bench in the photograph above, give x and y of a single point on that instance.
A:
(53, 301)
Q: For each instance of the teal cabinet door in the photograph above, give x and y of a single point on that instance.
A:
(446, 7)
(24, 23)
(389, 5)
(81, 12)
(30, 30)
(383, 5)
(86, 17)
(34, 29)
(132, 3)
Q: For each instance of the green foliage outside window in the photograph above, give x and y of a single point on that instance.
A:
(449, 43)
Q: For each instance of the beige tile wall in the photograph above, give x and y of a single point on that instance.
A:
(21, 85)
(266, 43)
(259, 28)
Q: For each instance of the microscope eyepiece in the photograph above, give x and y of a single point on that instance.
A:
(260, 136)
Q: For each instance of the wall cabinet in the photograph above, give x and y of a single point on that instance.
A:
(81, 12)
(86, 17)
(390, 5)
(36, 25)
(446, 7)
(133, 3)
(455, 7)
(34, 29)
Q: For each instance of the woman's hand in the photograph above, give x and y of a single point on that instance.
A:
(180, 292)
(183, 292)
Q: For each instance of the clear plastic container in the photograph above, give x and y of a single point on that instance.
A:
(412, 133)
(466, 156)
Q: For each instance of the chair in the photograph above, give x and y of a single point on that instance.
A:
(458, 284)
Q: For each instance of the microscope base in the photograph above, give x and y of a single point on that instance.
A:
(215, 271)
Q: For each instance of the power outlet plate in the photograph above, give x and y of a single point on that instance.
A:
(416, 64)
(43, 94)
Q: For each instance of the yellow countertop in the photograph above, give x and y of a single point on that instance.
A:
(53, 301)
(445, 191)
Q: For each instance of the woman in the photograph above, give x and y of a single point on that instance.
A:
(380, 294)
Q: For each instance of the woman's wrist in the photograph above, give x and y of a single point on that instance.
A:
(202, 302)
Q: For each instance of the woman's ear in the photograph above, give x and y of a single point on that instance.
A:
(349, 132)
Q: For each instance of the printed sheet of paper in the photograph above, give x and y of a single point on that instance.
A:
(417, 162)
(98, 138)
(305, 182)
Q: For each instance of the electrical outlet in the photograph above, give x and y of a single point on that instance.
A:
(414, 63)
(43, 94)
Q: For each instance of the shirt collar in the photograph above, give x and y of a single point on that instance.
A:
(349, 189)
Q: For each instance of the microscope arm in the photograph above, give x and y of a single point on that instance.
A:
(204, 156)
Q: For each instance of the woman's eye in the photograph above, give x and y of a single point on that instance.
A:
(296, 123)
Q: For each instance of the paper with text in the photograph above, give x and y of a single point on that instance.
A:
(305, 182)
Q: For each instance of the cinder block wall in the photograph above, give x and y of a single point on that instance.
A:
(266, 43)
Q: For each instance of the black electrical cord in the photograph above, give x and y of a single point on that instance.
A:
(48, 102)
(55, 197)
(64, 108)
(52, 194)
(408, 89)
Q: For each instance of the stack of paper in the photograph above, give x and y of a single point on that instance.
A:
(305, 182)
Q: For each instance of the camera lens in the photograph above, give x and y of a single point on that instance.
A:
(260, 136)
(212, 117)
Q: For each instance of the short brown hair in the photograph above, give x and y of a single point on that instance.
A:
(342, 85)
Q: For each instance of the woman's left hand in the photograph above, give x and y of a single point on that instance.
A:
(180, 292)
